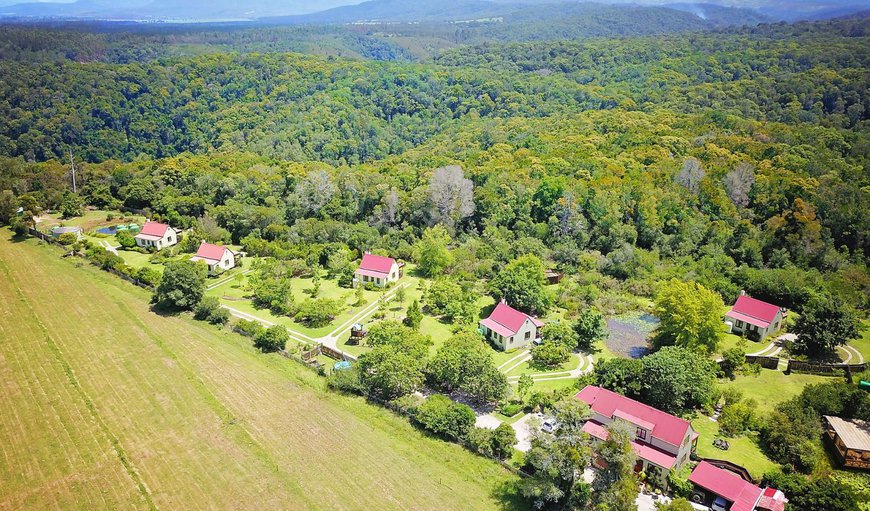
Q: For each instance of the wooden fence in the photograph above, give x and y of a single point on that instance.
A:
(798, 366)
(337, 355)
(765, 362)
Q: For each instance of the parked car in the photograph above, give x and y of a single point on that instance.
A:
(719, 504)
(549, 425)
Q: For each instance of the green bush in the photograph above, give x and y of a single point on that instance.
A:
(248, 328)
(346, 380)
(209, 309)
(442, 416)
(148, 276)
(272, 339)
(550, 354)
(511, 409)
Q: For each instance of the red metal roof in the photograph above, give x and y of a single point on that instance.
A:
(748, 306)
(154, 229)
(507, 321)
(772, 500)
(728, 485)
(665, 426)
(376, 263)
(210, 252)
(643, 450)
(748, 319)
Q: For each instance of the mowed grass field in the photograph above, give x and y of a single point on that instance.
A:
(106, 405)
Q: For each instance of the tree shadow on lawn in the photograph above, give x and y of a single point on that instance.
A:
(507, 493)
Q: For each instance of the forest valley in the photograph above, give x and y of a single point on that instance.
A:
(736, 159)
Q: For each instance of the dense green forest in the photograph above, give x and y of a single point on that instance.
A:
(755, 144)
(658, 173)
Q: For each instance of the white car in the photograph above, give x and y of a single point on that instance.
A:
(549, 426)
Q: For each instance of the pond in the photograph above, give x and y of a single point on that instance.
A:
(629, 334)
(113, 229)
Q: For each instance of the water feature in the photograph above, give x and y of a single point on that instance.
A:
(630, 333)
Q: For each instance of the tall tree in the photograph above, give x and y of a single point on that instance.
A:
(590, 328)
(690, 176)
(738, 183)
(677, 379)
(616, 486)
(182, 285)
(824, 323)
(521, 284)
(691, 316)
(431, 251)
(451, 196)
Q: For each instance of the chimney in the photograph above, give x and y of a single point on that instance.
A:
(742, 292)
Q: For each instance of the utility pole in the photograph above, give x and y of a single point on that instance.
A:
(72, 167)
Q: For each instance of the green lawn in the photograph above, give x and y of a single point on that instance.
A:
(743, 451)
(773, 386)
(234, 294)
(529, 368)
(862, 344)
(107, 405)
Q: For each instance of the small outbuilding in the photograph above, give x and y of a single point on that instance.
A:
(850, 439)
(218, 258)
(156, 235)
(377, 270)
(756, 318)
(508, 328)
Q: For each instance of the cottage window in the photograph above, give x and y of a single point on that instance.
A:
(528, 335)
(739, 324)
(641, 433)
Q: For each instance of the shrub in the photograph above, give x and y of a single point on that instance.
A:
(219, 316)
(148, 276)
(209, 309)
(272, 339)
(205, 307)
(511, 409)
(503, 440)
(442, 416)
(248, 328)
(550, 354)
(125, 239)
(738, 417)
(346, 380)
(68, 238)
(407, 404)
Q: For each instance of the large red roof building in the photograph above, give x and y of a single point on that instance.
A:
(662, 441)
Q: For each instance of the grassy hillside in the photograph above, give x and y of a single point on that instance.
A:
(107, 405)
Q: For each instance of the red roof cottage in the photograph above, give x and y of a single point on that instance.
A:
(377, 270)
(157, 235)
(754, 317)
(509, 328)
(662, 441)
(724, 490)
(217, 258)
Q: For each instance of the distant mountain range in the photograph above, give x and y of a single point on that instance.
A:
(723, 12)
